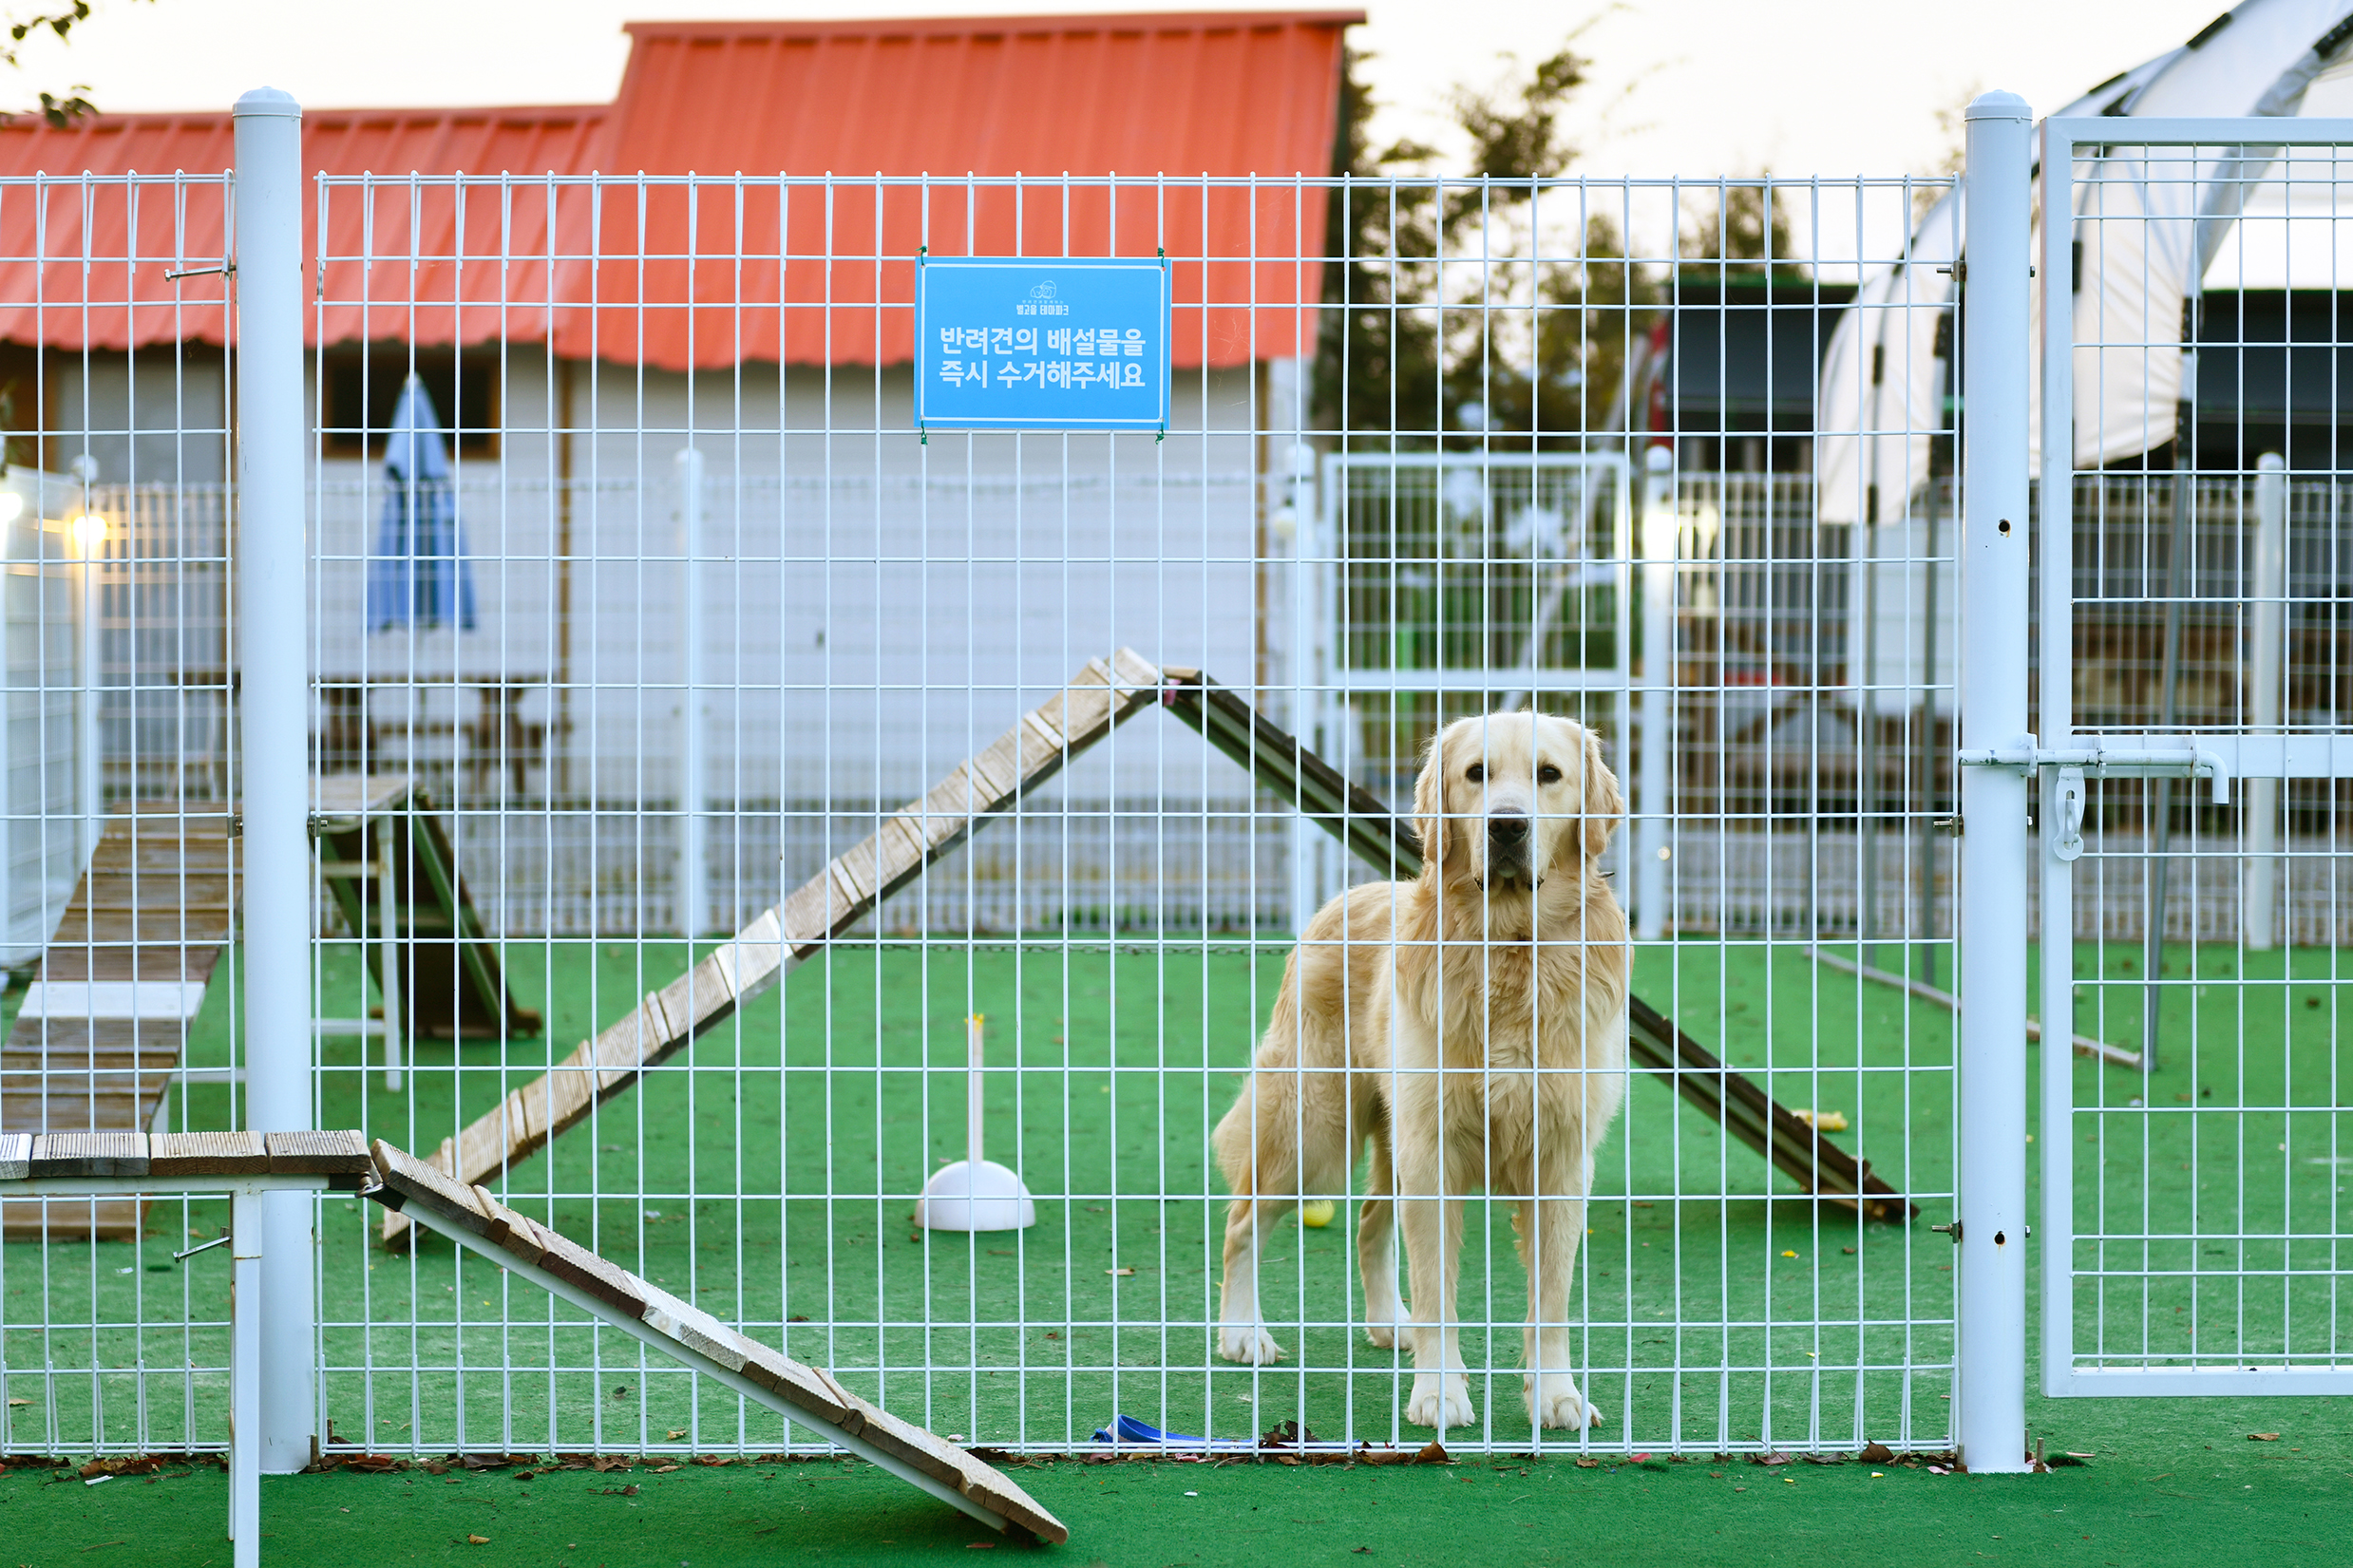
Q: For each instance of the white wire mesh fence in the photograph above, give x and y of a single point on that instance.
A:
(692, 606)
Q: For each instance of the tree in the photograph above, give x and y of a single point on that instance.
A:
(1498, 312)
(58, 110)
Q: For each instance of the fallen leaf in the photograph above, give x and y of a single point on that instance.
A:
(478, 1540)
(1588, 1465)
(675, 1435)
(1121, 1273)
(1876, 1453)
(2263, 1437)
(663, 1469)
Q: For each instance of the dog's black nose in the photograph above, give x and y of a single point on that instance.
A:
(1508, 830)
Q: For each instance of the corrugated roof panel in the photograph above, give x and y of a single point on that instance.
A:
(1180, 96)
(392, 244)
(681, 277)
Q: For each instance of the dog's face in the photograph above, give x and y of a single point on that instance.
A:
(1510, 799)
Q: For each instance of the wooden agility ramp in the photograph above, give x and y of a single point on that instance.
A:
(1098, 699)
(451, 983)
(1101, 697)
(805, 1395)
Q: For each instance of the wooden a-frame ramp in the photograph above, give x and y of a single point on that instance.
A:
(1100, 698)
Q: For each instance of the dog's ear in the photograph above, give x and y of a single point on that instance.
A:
(1430, 808)
(1604, 803)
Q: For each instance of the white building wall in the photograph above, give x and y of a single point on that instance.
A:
(879, 605)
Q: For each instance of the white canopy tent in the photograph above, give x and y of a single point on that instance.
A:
(2146, 225)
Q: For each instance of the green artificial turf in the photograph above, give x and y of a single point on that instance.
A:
(2174, 1482)
(768, 1172)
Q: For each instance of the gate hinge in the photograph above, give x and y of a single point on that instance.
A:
(2026, 754)
(1947, 824)
(1952, 1229)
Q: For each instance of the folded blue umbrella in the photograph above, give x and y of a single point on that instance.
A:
(418, 575)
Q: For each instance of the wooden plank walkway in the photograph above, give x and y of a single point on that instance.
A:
(105, 1024)
(104, 1029)
(1039, 745)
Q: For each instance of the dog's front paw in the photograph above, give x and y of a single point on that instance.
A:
(1383, 1335)
(1554, 1402)
(1440, 1401)
(1250, 1346)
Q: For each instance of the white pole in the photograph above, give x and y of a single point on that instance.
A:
(975, 1058)
(693, 787)
(273, 645)
(1652, 835)
(2264, 702)
(1990, 1386)
(388, 953)
(246, 1258)
(89, 534)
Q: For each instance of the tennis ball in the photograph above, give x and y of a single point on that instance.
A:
(1316, 1213)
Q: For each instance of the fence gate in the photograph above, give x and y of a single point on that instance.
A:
(2194, 660)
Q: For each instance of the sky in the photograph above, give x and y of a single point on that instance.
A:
(1695, 88)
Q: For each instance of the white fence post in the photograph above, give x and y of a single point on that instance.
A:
(273, 645)
(1652, 830)
(1990, 1217)
(693, 784)
(2269, 592)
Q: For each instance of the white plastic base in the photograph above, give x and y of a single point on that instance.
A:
(965, 1196)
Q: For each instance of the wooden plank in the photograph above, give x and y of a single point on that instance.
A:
(15, 1156)
(584, 1270)
(1037, 745)
(409, 1180)
(318, 1153)
(207, 1154)
(89, 1154)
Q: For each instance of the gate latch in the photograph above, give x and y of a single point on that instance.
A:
(2069, 845)
(2025, 754)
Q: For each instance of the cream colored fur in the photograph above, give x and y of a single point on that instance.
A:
(1392, 978)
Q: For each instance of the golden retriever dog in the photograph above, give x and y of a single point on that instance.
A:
(1470, 1026)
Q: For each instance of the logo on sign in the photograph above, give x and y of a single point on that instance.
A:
(1042, 302)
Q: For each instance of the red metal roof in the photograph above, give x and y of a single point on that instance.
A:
(694, 277)
(83, 265)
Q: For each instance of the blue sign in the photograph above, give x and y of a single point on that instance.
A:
(1009, 343)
